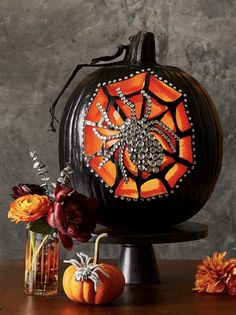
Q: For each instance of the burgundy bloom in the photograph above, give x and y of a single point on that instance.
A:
(27, 189)
(73, 214)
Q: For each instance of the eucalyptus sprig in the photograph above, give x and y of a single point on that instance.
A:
(40, 167)
(64, 178)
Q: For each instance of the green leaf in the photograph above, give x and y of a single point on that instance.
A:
(40, 226)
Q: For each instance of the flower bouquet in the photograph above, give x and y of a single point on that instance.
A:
(53, 212)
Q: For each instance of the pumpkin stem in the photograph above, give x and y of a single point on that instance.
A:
(141, 50)
(96, 250)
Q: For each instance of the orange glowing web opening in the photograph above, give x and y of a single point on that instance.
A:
(181, 118)
(93, 113)
(129, 86)
(163, 91)
(185, 148)
(168, 121)
(174, 174)
(115, 117)
(128, 189)
(107, 172)
(125, 108)
(152, 187)
(91, 142)
(157, 109)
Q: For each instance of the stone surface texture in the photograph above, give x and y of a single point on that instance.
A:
(40, 43)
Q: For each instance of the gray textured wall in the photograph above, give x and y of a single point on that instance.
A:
(42, 40)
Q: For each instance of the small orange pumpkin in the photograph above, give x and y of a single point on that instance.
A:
(92, 283)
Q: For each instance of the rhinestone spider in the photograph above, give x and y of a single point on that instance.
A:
(85, 270)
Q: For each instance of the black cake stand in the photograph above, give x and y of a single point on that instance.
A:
(137, 259)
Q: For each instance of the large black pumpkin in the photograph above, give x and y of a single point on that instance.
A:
(144, 139)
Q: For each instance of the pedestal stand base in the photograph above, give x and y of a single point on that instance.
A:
(138, 263)
(137, 259)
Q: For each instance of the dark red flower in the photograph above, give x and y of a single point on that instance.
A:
(73, 214)
(27, 189)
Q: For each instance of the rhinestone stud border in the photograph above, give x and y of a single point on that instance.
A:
(185, 101)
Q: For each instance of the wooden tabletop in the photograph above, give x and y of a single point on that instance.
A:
(173, 296)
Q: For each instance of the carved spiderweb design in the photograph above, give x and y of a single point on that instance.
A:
(138, 136)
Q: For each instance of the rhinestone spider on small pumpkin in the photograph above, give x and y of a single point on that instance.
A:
(137, 136)
(86, 270)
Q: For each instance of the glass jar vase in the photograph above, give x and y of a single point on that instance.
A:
(41, 263)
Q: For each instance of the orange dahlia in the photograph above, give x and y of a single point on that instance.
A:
(216, 275)
(29, 208)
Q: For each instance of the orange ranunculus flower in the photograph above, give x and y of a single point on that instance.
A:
(214, 274)
(29, 208)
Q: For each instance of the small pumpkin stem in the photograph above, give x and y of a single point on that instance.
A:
(96, 250)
